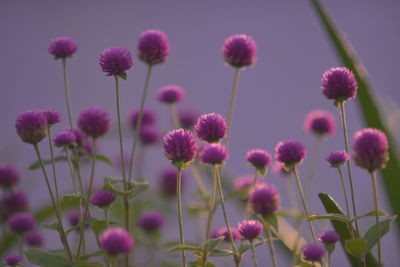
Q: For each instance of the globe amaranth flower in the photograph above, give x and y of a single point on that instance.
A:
(52, 116)
(211, 128)
(213, 154)
(320, 122)
(313, 252)
(151, 221)
(188, 117)
(102, 198)
(329, 237)
(33, 239)
(180, 146)
(63, 138)
(9, 176)
(290, 152)
(94, 121)
(168, 181)
(370, 149)
(337, 158)
(250, 229)
(31, 126)
(16, 201)
(21, 222)
(149, 135)
(116, 241)
(239, 51)
(278, 168)
(73, 218)
(339, 84)
(148, 117)
(223, 232)
(170, 94)
(153, 47)
(264, 199)
(115, 60)
(12, 259)
(260, 159)
(62, 47)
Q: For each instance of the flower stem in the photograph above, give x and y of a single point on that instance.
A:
(66, 92)
(253, 254)
(346, 143)
(344, 192)
(378, 227)
(247, 213)
(270, 244)
(106, 217)
(232, 102)
(313, 166)
(180, 220)
(53, 165)
(175, 117)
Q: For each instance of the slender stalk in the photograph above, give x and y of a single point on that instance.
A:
(139, 121)
(346, 144)
(180, 220)
(53, 165)
(66, 92)
(175, 117)
(344, 192)
(106, 217)
(313, 166)
(270, 244)
(253, 253)
(46, 177)
(20, 243)
(247, 213)
(329, 259)
(378, 227)
(232, 102)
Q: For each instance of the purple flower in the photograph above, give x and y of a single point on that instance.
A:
(153, 47)
(250, 229)
(33, 239)
(21, 222)
(62, 47)
(278, 168)
(148, 117)
(16, 201)
(213, 154)
(52, 116)
(116, 241)
(64, 138)
(313, 252)
(170, 94)
(73, 217)
(94, 121)
(115, 60)
(264, 199)
(290, 152)
(337, 158)
(180, 146)
(9, 176)
(12, 259)
(149, 135)
(329, 237)
(370, 149)
(102, 198)
(244, 183)
(188, 117)
(320, 122)
(151, 221)
(31, 126)
(211, 127)
(259, 158)
(223, 232)
(169, 179)
(239, 51)
(339, 84)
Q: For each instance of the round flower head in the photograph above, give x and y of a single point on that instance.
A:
(370, 149)
(313, 252)
(15, 201)
(339, 84)
(151, 221)
(62, 47)
(320, 123)
(264, 199)
(290, 152)
(223, 232)
(170, 94)
(102, 198)
(149, 135)
(211, 127)
(244, 183)
(52, 116)
(64, 138)
(260, 159)
(180, 146)
(21, 222)
(9, 176)
(329, 237)
(169, 179)
(337, 158)
(116, 241)
(13, 259)
(213, 154)
(31, 126)
(73, 217)
(33, 239)
(188, 117)
(94, 122)
(153, 47)
(239, 51)
(278, 168)
(250, 229)
(148, 117)
(115, 60)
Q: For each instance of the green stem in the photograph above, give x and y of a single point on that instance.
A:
(20, 243)
(247, 213)
(66, 92)
(253, 253)
(270, 244)
(106, 217)
(180, 220)
(329, 260)
(378, 227)
(175, 117)
(313, 166)
(344, 192)
(232, 102)
(53, 165)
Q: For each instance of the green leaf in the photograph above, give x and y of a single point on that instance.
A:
(191, 248)
(98, 227)
(96, 253)
(36, 164)
(221, 252)
(329, 216)
(212, 244)
(89, 264)
(371, 236)
(198, 263)
(73, 199)
(272, 220)
(356, 247)
(104, 159)
(371, 213)
(196, 209)
(123, 75)
(45, 259)
(134, 188)
(304, 264)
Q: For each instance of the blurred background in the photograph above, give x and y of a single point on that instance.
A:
(274, 96)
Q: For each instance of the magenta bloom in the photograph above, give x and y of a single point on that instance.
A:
(244, 183)
(170, 94)
(148, 117)
(211, 127)
(213, 154)
(52, 116)
(223, 232)
(264, 199)
(73, 217)
(9, 176)
(115, 60)
(339, 84)
(94, 121)
(370, 149)
(169, 179)
(102, 198)
(62, 47)
(31, 126)
(21, 222)
(180, 146)
(320, 122)
(250, 229)
(259, 158)
(188, 117)
(13, 259)
(149, 135)
(278, 168)
(290, 152)
(33, 239)
(329, 237)
(16, 201)
(337, 158)
(64, 138)
(153, 47)
(239, 51)
(313, 252)
(116, 241)
(151, 221)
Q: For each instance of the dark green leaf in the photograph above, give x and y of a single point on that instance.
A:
(36, 164)
(92, 254)
(371, 213)
(221, 252)
(272, 220)
(356, 247)
(45, 259)
(89, 264)
(198, 263)
(371, 236)
(99, 226)
(104, 159)
(123, 75)
(213, 244)
(329, 216)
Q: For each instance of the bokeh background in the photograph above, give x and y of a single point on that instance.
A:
(274, 96)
